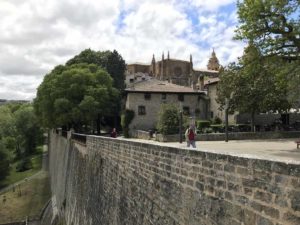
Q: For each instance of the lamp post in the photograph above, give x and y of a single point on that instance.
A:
(180, 123)
(226, 118)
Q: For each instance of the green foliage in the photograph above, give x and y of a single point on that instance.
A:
(112, 62)
(252, 86)
(201, 124)
(218, 128)
(168, 119)
(274, 26)
(126, 119)
(74, 95)
(4, 162)
(216, 120)
(29, 132)
(24, 165)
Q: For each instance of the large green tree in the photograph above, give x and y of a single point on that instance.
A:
(112, 62)
(73, 95)
(273, 25)
(28, 131)
(251, 85)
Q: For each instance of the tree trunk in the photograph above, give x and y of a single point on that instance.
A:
(98, 124)
(252, 122)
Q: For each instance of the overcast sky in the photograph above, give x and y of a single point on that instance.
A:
(36, 35)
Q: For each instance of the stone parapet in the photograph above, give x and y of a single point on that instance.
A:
(120, 181)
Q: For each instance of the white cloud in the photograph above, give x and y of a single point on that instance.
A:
(37, 35)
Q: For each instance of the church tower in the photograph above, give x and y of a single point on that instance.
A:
(213, 62)
(153, 66)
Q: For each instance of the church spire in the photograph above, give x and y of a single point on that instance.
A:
(153, 59)
(168, 55)
(213, 62)
(191, 58)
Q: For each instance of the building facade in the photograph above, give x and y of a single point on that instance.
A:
(176, 71)
(146, 97)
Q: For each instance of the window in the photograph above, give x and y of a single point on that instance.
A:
(197, 112)
(147, 96)
(186, 110)
(181, 97)
(131, 80)
(211, 114)
(163, 96)
(141, 110)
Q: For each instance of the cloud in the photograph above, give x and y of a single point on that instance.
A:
(37, 35)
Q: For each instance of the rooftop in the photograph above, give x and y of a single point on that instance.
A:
(154, 85)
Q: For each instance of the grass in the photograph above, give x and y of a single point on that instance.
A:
(15, 176)
(27, 199)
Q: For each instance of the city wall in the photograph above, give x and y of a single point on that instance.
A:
(116, 181)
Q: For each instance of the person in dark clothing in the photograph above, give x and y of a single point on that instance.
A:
(113, 134)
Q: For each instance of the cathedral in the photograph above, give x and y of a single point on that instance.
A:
(176, 71)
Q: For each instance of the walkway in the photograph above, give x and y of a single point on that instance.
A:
(283, 150)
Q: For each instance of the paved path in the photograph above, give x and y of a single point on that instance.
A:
(283, 150)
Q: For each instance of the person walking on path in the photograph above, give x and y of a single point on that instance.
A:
(190, 135)
(113, 134)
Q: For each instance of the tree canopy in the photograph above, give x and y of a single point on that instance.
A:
(74, 94)
(112, 62)
(251, 85)
(273, 25)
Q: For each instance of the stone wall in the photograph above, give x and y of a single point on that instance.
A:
(116, 181)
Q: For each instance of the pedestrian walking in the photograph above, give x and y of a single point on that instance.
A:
(113, 134)
(190, 136)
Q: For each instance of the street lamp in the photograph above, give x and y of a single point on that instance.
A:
(180, 122)
(226, 118)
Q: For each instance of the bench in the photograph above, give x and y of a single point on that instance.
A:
(298, 143)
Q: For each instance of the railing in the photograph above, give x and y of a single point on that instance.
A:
(64, 133)
(81, 138)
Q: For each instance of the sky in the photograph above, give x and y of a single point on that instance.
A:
(37, 35)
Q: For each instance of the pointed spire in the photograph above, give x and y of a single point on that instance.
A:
(163, 56)
(168, 55)
(213, 54)
(191, 58)
(153, 59)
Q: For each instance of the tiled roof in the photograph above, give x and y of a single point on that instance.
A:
(155, 85)
(211, 81)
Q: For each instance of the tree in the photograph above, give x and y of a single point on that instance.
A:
(28, 131)
(72, 95)
(168, 119)
(4, 162)
(274, 26)
(251, 85)
(112, 62)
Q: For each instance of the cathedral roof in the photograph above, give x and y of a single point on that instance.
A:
(158, 86)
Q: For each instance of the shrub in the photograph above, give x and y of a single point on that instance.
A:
(126, 119)
(168, 119)
(216, 120)
(201, 124)
(218, 128)
(23, 165)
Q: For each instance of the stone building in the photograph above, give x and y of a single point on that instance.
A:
(177, 71)
(210, 86)
(146, 97)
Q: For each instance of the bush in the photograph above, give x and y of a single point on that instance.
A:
(24, 165)
(4, 162)
(168, 119)
(218, 128)
(216, 120)
(201, 124)
(126, 119)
